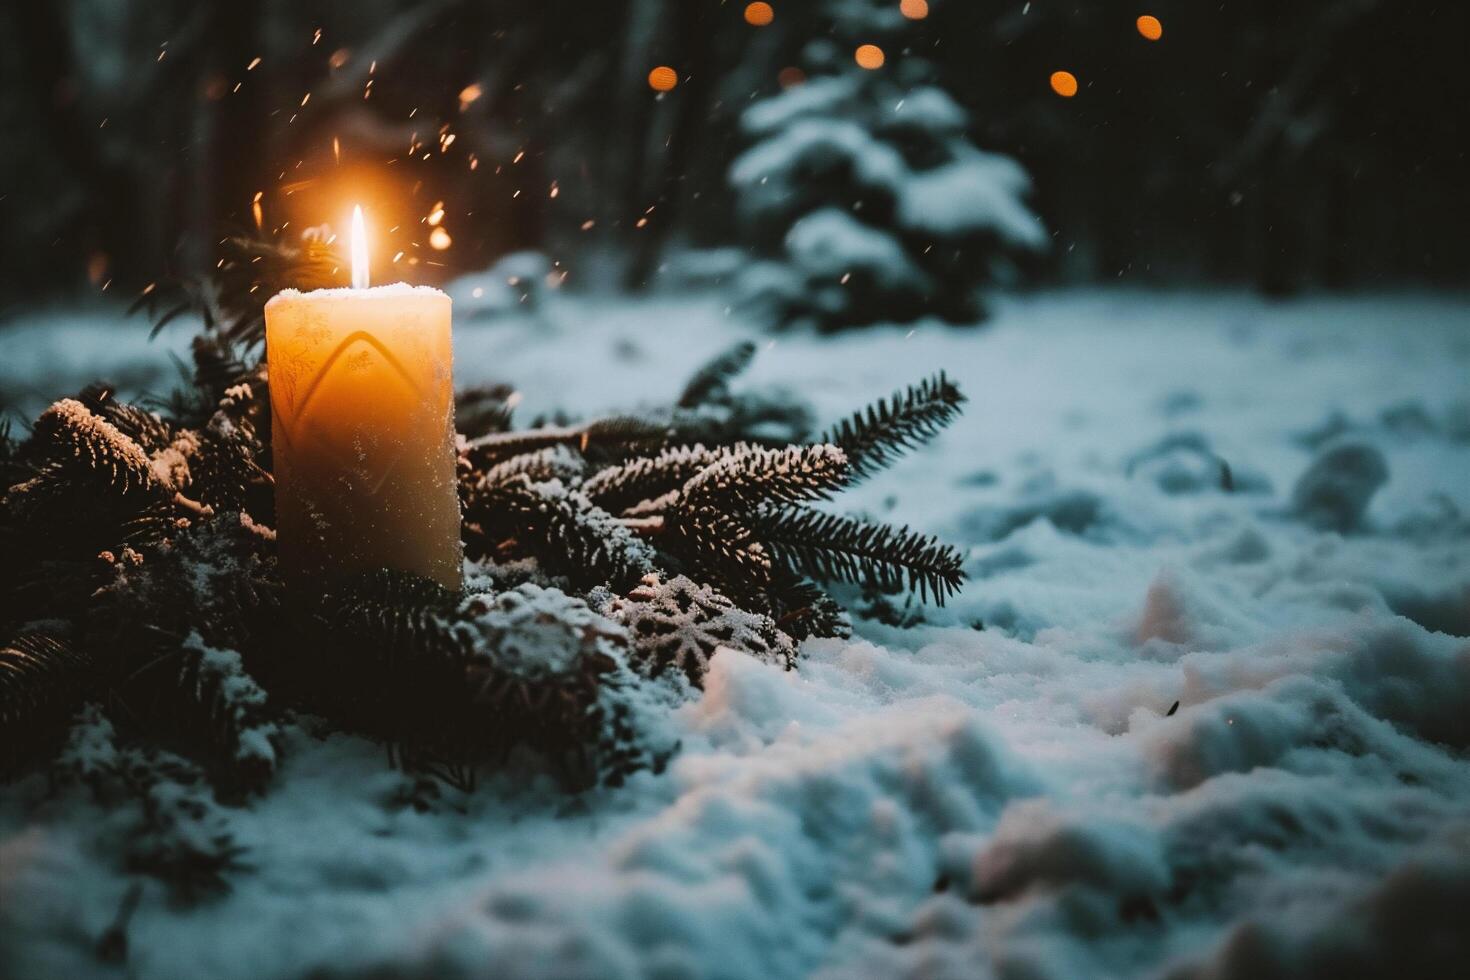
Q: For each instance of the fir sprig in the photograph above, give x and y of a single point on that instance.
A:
(140, 532)
(44, 678)
(711, 382)
(617, 488)
(251, 269)
(874, 437)
(829, 547)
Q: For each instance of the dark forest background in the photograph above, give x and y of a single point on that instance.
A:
(1284, 145)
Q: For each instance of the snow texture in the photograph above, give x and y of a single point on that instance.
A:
(1005, 790)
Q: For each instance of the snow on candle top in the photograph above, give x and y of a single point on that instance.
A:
(349, 292)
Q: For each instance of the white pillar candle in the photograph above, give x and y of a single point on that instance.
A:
(362, 406)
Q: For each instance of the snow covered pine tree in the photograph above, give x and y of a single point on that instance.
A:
(863, 193)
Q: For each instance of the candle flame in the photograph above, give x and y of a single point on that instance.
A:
(359, 250)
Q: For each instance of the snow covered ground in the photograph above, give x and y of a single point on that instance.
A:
(999, 791)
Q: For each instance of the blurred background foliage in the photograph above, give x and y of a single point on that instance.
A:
(1311, 144)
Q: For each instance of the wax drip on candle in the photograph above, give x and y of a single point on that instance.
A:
(359, 250)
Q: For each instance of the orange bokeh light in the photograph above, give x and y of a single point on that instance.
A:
(759, 14)
(663, 79)
(869, 56)
(1064, 83)
(1149, 27)
(914, 9)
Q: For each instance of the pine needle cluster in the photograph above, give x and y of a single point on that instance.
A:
(140, 575)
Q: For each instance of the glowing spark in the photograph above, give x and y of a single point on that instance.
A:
(663, 79)
(1150, 27)
(1064, 83)
(437, 214)
(306, 98)
(317, 36)
(914, 9)
(587, 225)
(257, 211)
(339, 57)
(397, 257)
(254, 63)
(555, 190)
(641, 223)
(469, 94)
(149, 288)
(337, 150)
(519, 156)
(759, 14)
(439, 239)
(869, 56)
(360, 249)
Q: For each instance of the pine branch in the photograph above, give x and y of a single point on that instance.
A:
(143, 427)
(617, 488)
(711, 382)
(614, 437)
(557, 462)
(233, 707)
(832, 548)
(800, 608)
(251, 270)
(185, 838)
(86, 444)
(718, 544)
(393, 618)
(877, 435)
(748, 476)
(44, 679)
(563, 530)
(217, 365)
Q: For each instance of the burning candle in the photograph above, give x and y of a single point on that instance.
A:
(362, 412)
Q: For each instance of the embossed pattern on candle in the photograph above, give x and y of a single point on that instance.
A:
(362, 406)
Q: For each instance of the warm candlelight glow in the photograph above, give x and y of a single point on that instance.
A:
(359, 249)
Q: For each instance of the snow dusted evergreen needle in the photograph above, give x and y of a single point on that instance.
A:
(712, 381)
(43, 676)
(609, 553)
(874, 437)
